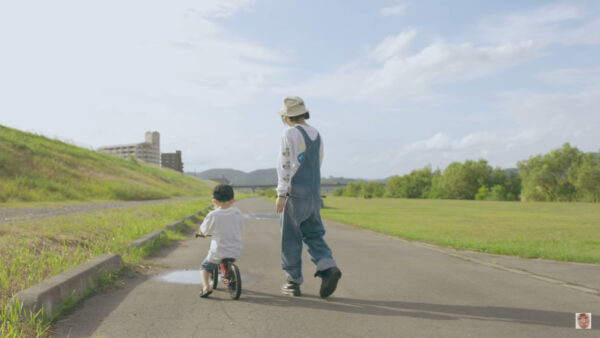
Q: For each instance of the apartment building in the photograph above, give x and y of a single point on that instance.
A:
(172, 161)
(148, 151)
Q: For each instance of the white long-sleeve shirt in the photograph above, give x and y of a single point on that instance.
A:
(292, 150)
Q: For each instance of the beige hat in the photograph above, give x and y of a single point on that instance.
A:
(292, 106)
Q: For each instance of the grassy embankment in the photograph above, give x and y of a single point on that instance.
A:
(37, 169)
(36, 250)
(557, 231)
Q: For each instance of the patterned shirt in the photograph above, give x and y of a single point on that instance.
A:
(292, 154)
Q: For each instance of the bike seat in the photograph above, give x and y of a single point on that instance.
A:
(228, 260)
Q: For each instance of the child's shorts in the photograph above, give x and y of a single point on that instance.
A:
(208, 266)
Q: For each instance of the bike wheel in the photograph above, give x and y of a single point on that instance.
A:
(235, 282)
(214, 278)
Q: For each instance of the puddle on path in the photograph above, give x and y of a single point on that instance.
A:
(191, 277)
(262, 216)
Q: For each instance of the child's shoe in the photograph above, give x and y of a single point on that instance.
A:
(291, 288)
(205, 293)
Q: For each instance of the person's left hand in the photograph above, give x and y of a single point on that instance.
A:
(279, 205)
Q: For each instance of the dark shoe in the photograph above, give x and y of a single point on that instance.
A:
(329, 281)
(291, 288)
(205, 294)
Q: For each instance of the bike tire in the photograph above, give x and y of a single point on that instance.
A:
(235, 282)
(214, 278)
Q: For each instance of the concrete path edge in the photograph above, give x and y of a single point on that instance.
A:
(52, 292)
(146, 239)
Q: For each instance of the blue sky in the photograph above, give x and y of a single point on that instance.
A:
(392, 85)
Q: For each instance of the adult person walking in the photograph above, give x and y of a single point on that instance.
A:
(299, 199)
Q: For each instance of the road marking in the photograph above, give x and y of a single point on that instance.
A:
(511, 270)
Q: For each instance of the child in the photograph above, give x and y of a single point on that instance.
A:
(225, 225)
(299, 199)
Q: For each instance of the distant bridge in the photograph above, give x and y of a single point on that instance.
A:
(325, 187)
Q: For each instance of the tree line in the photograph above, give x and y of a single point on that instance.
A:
(564, 174)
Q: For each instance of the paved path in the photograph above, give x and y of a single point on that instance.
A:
(8, 215)
(390, 288)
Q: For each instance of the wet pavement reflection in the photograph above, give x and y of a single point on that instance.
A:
(190, 277)
(262, 216)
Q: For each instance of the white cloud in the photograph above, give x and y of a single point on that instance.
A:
(392, 72)
(558, 23)
(167, 66)
(443, 142)
(388, 73)
(393, 46)
(219, 8)
(528, 124)
(399, 9)
(107, 60)
(569, 76)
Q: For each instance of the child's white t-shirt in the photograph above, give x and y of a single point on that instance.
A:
(225, 226)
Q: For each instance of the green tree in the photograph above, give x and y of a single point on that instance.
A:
(462, 181)
(435, 191)
(482, 194)
(418, 183)
(372, 189)
(585, 177)
(394, 187)
(353, 189)
(497, 193)
(513, 186)
(338, 191)
(545, 178)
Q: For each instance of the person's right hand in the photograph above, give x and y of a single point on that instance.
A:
(279, 205)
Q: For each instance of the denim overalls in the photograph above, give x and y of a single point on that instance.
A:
(301, 219)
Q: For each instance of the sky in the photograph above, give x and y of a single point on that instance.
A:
(392, 86)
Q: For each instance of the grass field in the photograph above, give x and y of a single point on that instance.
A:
(35, 250)
(35, 168)
(557, 231)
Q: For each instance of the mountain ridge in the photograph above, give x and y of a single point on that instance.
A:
(255, 177)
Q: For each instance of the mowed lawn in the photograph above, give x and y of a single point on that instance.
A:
(558, 231)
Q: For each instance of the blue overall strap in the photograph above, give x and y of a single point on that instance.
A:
(307, 180)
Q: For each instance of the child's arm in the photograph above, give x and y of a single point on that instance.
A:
(206, 227)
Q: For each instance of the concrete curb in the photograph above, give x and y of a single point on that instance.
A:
(50, 293)
(174, 226)
(146, 239)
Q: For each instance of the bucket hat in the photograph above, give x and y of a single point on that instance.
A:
(292, 106)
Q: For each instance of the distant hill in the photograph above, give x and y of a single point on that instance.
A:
(36, 168)
(237, 177)
(256, 177)
(231, 175)
(269, 176)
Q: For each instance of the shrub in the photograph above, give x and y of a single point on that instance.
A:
(482, 194)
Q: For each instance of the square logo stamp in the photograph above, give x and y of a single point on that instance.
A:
(583, 320)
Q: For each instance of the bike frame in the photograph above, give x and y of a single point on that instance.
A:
(224, 268)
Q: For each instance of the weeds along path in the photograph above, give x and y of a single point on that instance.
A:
(8, 215)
